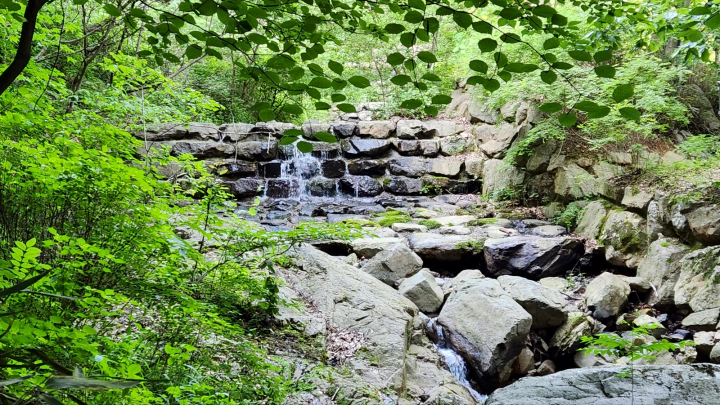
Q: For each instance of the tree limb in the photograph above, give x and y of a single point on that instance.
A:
(24, 48)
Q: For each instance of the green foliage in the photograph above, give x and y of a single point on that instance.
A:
(570, 216)
(483, 221)
(429, 223)
(473, 246)
(610, 344)
(700, 146)
(391, 217)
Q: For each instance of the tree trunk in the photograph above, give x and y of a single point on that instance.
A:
(24, 47)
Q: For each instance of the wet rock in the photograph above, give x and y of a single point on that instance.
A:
(547, 307)
(404, 186)
(376, 129)
(204, 150)
(337, 218)
(369, 247)
(703, 320)
(696, 287)
(704, 223)
(274, 128)
(531, 257)
(393, 263)
(281, 188)
(448, 248)
(359, 147)
(333, 168)
(676, 384)
(661, 268)
(361, 186)
(367, 167)
(321, 187)
(486, 326)
(245, 187)
(606, 296)
(423, 291)
(366, 209)
(344, 129)
(418, 148)
(625, 239)
(257, 150)
(236, 169)
(162, 132)
(270, 170)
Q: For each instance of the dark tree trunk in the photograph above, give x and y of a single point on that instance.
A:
(24, 48)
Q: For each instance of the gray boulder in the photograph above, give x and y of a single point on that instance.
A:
(547, 307)
(661, 268)
(705, 224)
(530, 256)
(456, 144)
(393, 263)
(499, 175)
(625, 239)
(367, 167)
(447, 248)
(497, 140)
(360, 186)
(376, 129)
(636, 199)
(401, 185)
(486, 326)
(592, 220)
(359, 147)
(568, 336)
(423, 291)
(257, 150)
(697, 287)
(573, 182)
(344, 129)
(606, 295)
(245, 187)
(694, 384)
(703, 320)
(369, 247)
(204, 150)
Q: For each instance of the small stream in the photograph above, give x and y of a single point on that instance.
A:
(455, 362)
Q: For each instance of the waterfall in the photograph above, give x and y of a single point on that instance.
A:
(454, 361)
(299, 168)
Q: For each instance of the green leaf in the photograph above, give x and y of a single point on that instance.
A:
(551, 43)
(475, 80)
(603, 56)
(700, 11)
(491, 85)
(326, 136)
(559, 19)
(321, 105)
(395, 59)
(359, 82)
(401, 80)
(464, 20)
(304, 147)
(479, 66)
(292, 109)
(544, 11)
(431, 77)
(562, 65)
(713, 22)
(520, 67)
(487, 45)
(394, 28)
(193, 51)
(414, 17)
(482, 27)
(623, 92)
(427, 57)
(602, 111)
(320, 83)
(76, 383)
(581, 56)
(567, 120)
(336, 67)
(411, 104)
(550, 107)
(607, 72)
(630, 113)
(431, 110)
(293, 133)
(510, 13)
(337, 97)
(510, 38)
(23, 284)
(548, 76)
(266, 115)
(505, 75)
(346, 108)
(418, 4)
(112, 9)
(288, 140)
(587, 106)
(441, 99)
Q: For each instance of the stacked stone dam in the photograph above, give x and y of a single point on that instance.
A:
(399, 157)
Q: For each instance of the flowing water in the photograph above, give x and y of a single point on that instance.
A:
(454, 361)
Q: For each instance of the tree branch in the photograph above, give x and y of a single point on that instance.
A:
(24, 47)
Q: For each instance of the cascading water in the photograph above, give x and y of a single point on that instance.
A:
(454, 361)
(299, 168)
